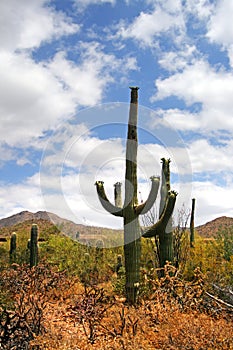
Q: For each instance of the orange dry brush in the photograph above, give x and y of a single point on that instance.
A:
(42, 308)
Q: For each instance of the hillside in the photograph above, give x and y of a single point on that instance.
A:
(52, 223)
(46, 221)
(211, 228)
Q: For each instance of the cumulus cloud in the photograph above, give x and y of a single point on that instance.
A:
(26, 24)
(87, 81)
(208, 196)
(25, 101)
(203, 84)
(178, 60)
(206, 157)
(149, 25)
(38, 96)
(28, 198)
(219, 28)
(84, 3)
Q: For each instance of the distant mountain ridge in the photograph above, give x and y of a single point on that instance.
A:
(65, 226)
(40, 215)
(70, 228)
(211, 228)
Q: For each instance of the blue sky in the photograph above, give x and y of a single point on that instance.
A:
(65, 71)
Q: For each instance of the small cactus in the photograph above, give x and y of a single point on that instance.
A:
(13, 245)
(33, 246)
(119, 264)
(99, 251)
(192, 229)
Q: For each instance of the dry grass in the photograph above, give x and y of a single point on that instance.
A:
(174, 316)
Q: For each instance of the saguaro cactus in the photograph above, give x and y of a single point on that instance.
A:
(13, 246)
(33, 246)
(131, 209)
(163, 228)
(117, 194)
(165, 235)
(99, 251)
(192, 229)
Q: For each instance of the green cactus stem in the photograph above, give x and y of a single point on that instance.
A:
(33, 246)
(131, 209)
(163, 228)
(13, 246)
(119, 264)
(117, 194)
(192, 228)
(99, 251)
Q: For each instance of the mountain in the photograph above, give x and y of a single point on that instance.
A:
(63, 224)
(48, 220)
(51, 222)
(211, 228)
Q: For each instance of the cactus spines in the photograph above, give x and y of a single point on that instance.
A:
(131, 209)
(192, 229)
(33, 246)
(13, 243)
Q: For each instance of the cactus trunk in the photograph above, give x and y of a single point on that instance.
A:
(132, 234)
(34, 246)
(13, 247)
(192, 233)
(132, 252)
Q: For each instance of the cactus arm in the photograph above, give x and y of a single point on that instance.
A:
(165, 186)
(160, 226)
(147, 205)
(112, 209)
(117, 194)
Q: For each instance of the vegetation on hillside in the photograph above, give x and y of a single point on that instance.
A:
(74, 299)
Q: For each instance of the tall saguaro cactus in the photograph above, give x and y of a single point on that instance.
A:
(13, 247)
(131, 209)
(192, 229)
(33, 245)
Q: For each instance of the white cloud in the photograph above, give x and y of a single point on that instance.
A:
(220, 29)
(209, 158)
(6, 154)
(212, 201)
(201, 83)
(38, 96)
(28, 198)
(220, 25)
(178, 60)
(25, 103)
(26, 24)
(202, 9)
(177, 119)
(147, 26)
(85, 3)
(87, 81)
